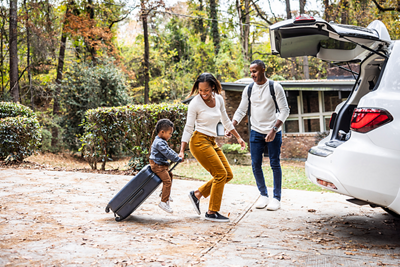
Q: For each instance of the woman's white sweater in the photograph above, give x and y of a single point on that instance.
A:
(205, 119)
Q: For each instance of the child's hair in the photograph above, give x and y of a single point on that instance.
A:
(163, 125)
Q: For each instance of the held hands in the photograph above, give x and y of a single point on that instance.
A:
(182, 156)
(228, 133)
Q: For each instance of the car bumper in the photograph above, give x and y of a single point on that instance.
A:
(314, 171)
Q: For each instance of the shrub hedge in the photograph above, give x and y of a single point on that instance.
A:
(19, 132)
(10, 109)
(131, 127)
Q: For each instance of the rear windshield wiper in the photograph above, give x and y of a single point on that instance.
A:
(365, 47)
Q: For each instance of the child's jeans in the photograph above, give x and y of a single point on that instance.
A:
(165, 176)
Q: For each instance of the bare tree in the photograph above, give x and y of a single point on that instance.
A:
(14, 88)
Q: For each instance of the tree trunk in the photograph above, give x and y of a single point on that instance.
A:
(14, 88)
(306, 71)
(89, 46)
(288, 10)
(2, 55)
(202, 30)
(244, 18)
(293, 59)
(344, 6)
(214, 25)
(28, 56)
(60, 68)
(146, 55)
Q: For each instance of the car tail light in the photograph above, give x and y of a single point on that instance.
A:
(367, 119)
(326, 184)
(303, 19)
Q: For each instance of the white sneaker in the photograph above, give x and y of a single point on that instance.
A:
(165, 207)
(274, 205)
(262, 202)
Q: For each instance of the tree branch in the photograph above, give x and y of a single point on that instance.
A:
(116, 21)
(260, 14)
(383, 9)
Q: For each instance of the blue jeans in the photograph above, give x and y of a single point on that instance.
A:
(257, 144)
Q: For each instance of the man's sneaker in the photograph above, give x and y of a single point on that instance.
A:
(216, 217)
(274, 205)
(195, 202)
(165, 207)
(170, 198)
(262, 202)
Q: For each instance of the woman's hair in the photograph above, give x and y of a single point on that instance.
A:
(163, 125)
(212, 81)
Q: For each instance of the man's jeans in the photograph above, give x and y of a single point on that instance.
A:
(257, 144)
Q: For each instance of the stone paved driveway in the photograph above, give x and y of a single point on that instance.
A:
(50, 218)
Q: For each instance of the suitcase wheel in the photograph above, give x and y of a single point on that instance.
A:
(117, 219)
(107, 209)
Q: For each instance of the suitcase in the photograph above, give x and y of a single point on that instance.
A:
(134, 193)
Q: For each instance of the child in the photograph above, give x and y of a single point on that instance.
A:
(160, 154)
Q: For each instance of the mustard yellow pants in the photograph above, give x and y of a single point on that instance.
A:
(211, 157)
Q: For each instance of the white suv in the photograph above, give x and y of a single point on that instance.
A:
(361, 156)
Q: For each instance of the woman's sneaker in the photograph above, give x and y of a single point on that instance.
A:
(165, 207)
(195, 202)
(216, 217)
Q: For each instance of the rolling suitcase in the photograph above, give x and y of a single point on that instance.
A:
(134, 193)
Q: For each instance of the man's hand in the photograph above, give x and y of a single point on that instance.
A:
(182, 156)
(228, 133)
(271, 136)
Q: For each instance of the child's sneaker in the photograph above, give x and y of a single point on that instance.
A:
(165, 207)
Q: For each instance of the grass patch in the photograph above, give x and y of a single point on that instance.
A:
(294, 176)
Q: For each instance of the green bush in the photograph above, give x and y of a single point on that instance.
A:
(129, 127)
(88, 86)
(10, 109)
(234, 148)
(19, 132)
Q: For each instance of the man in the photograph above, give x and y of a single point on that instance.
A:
(266, 124)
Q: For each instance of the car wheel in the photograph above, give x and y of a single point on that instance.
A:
(394, 214)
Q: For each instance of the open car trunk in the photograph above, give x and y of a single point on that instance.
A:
(327, 41)
(305, 36)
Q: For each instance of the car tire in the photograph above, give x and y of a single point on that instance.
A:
(394, 214)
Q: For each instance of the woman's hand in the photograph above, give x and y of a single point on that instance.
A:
(182, 155)
(242, 143)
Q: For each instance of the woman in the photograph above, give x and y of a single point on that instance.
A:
(205, 110)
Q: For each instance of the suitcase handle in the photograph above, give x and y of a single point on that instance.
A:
(173, 167)
(137, 195)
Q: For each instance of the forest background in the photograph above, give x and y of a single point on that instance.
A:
(61, 58)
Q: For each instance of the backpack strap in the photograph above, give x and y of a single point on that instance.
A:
(272, 91)
(249, 89)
